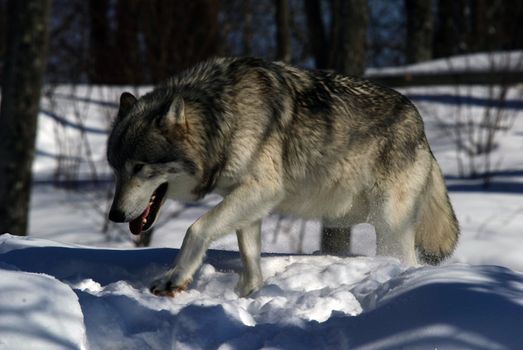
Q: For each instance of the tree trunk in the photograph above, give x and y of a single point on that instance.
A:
(452, 29)
(283, 40)
(127, 46)
(444, 29)
(178, 34)
(3, 20)
(317, 37)
(247, 28)
(419, 30)
(349, 36)
(513, 13)
(494, 24)
(101, 57)
(21, 88)
(479, 26)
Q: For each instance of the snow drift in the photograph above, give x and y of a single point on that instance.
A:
(57, 296)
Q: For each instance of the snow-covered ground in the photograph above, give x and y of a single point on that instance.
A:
(71, 286)
(58, 296)
(479, 62)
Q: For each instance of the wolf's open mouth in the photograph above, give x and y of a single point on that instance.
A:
(148, 217)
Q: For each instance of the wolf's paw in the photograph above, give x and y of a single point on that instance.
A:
(247, 286)
(165, 287)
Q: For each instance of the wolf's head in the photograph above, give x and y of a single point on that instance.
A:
(148, 149)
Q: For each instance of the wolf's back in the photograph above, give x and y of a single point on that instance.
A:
(437, 230)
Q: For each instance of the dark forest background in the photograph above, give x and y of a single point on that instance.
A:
(145, 41)
(142, 42)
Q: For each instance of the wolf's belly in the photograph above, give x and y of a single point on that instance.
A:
(314, 204)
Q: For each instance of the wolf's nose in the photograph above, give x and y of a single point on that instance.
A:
(116, 215)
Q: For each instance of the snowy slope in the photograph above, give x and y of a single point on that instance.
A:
(478, 62)
(38, 312)
(307, 302)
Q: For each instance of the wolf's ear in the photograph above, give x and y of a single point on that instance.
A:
(176, 113)
(127, 101)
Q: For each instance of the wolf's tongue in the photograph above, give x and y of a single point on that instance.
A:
(136, 225)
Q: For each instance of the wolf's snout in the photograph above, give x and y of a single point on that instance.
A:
(116, 215)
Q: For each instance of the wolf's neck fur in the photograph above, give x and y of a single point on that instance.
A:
(202, 130)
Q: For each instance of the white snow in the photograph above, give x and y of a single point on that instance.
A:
(307, 302)
(38, 311)
(70, 286)
(478, 62)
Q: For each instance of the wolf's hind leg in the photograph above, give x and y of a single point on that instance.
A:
(396, 241)
(336, 233)
(249, 242)
(335, 240)
(394, 222)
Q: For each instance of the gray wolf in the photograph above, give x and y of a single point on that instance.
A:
(269, 137)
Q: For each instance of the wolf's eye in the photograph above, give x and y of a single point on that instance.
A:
(137, 168)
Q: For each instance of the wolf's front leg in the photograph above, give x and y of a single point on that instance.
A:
(243, 207)
(188, 260)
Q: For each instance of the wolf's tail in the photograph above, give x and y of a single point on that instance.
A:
(437, 229)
